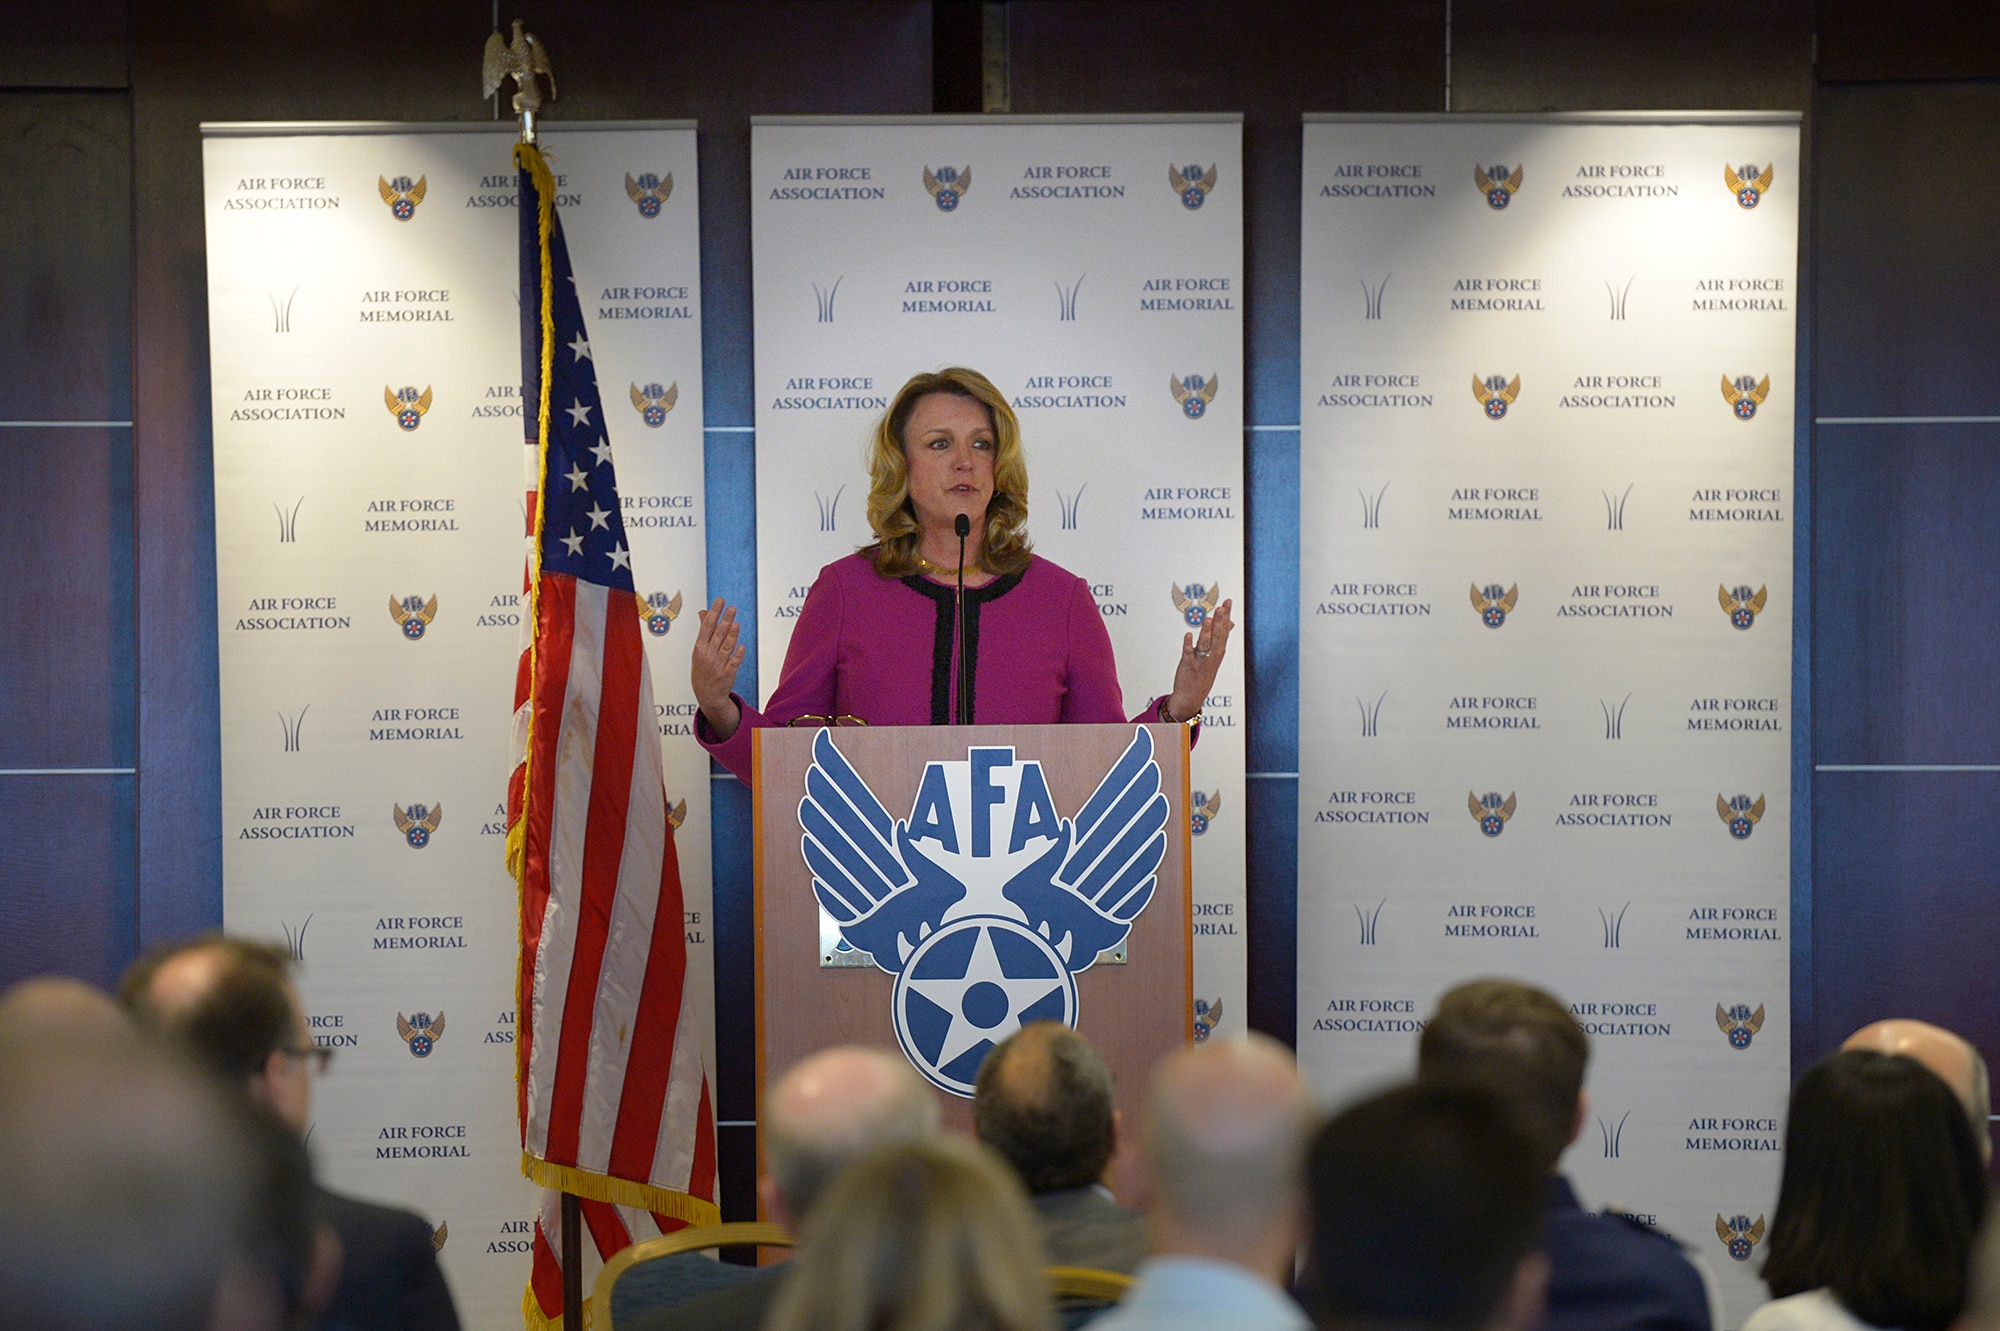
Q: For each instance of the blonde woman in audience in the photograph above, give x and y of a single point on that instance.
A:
(932, 1235)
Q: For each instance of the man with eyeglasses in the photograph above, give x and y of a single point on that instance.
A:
(232, 1004)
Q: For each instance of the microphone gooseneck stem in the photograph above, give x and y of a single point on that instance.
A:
(963, 526)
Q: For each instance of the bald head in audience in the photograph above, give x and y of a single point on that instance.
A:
(52, 1007)
(1951, 1057)
(127, 1199)
(1225, 1133)
(828, 1112)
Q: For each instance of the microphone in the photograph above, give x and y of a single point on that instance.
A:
(962, 525)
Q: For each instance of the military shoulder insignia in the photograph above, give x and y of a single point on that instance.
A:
(1191, 183)
(1195, 601)
(654, 402)
(1207, 1016)
(1741, 606)
(659, 613)
(414, 613)
(1739, 1235)
(407, 405)
(1747, 184)
(1194, 393)
(1496, 393)
(948, 185)
(1493, 604)
(1745, 395)
(1497, 184)
(439, 1235)
(417, 823)
(1740, 813)
(1203, 813)
(677, 813)
(649, 191)
(401, 196)
(1490, 811)
(421, 1031)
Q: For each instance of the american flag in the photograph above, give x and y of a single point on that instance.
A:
(614, 1100)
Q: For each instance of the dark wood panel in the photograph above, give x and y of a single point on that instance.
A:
(1906, 279)
(1913, 39)
(1906, 921)
(65, 288)
(67, 877)
(1906, 522)
(1634, 55)
(66, 666)
(79, 44)
(1271, 60)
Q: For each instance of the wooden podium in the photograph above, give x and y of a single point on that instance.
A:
(957, 818)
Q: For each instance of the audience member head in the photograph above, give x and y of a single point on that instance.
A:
(1949, 1055)
(126, 1197)
(1225, 1131)
(830, 1110)
(1883, 1190)
(231, 1002)
(1043, 1101)
(928, 1235)
(1427, 1213)
(1520, 1041)
(53, 1008)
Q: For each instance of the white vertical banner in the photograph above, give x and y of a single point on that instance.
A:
(365, 346)
(1545, 729)
(1092, 268)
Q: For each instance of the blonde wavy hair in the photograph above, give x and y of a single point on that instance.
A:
(932, 1235)
(891, 516)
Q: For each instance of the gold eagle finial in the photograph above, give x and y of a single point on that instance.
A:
(526, 61)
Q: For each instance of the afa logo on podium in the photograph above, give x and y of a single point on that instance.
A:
(983, 903)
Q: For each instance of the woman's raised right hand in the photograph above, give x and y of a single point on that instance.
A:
(717, 656)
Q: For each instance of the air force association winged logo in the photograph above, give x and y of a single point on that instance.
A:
(654, 402)
(1748, 184)
(1497, 184)
(414, 613)
(1741, 605)
(659, 611)
(1493, 604)
(1191, 183)
(407, 405)
(947, 185)
(1195, 602)
(1741, 813)
(421, 1031)
(649, 191)
(1739, 1235)
(402, 196)
(1745, 395)
(1194, 393)
(1496, 394)
(1491, 812)
(1739, 1023)
(417, 823)
(983, 903)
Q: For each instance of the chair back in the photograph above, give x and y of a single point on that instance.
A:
(692, 1239)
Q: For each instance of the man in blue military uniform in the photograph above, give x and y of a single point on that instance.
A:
(1607, 1272)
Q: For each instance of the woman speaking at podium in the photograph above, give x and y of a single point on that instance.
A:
(885, 637)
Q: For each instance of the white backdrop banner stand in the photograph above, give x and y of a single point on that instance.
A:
(1545, 731)
(366, 366)
(1092, 267)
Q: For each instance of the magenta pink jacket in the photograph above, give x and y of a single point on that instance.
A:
(881, 649)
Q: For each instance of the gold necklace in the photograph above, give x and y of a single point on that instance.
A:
(939, 569)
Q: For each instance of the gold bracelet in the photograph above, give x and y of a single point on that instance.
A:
(1167, 715)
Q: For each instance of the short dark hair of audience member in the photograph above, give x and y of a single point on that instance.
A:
(932, 1234)
(1882, 1192)
(1982, 1296)
(1427, 1213)
(240, 1018)
(1516, 1039)
(126, 1197)
(1043, 1100)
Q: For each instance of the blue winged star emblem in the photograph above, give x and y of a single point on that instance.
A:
(984, 903)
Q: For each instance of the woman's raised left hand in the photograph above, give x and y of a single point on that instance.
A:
(1201, 658)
